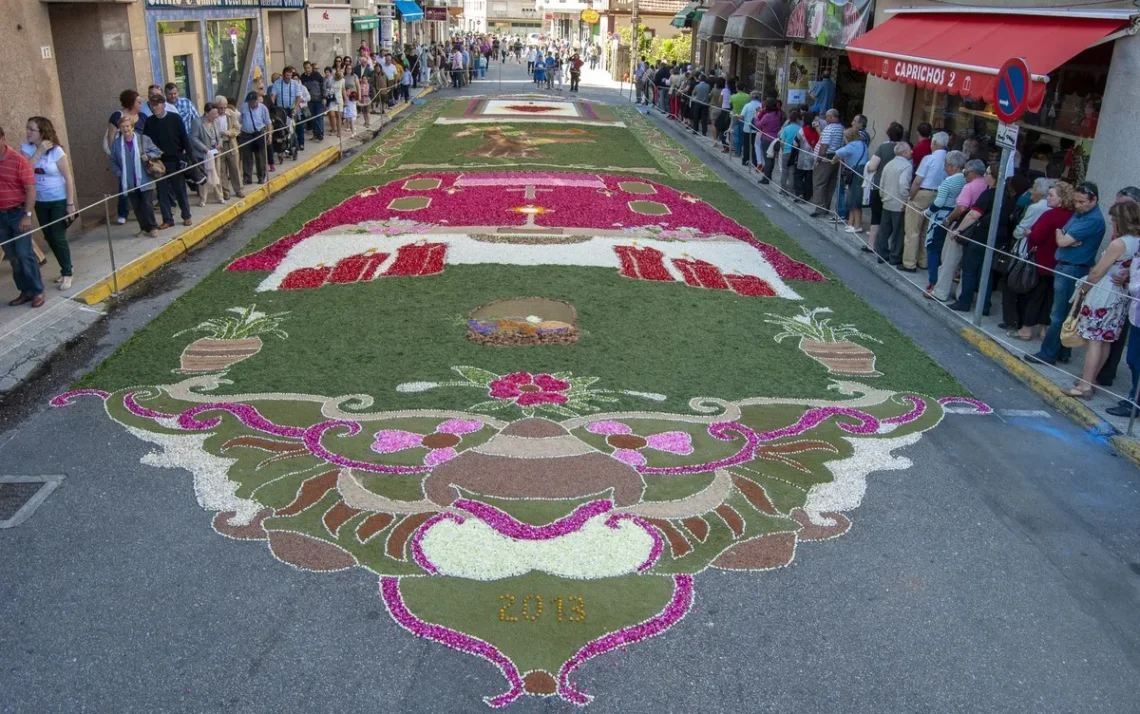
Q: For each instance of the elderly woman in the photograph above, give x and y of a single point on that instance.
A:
(205, 144)
(941, 207)
(1023, 312)
(129, 155)
(1036, 208)
(1106, 302)
(229, 126)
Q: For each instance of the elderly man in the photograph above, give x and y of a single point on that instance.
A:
(1038, 204)
(940, 208)
(826, 172)
(167, 132)
(1077, 246)
(747, 113)
(895, 182)
(229, 126)
(254, 127)
(927, 178)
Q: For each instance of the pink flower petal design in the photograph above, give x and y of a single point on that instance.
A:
(629, 456)
(608, 427)
(390, 440)
(459, 426)
(674, 442)
(550, 384)
(435, 457)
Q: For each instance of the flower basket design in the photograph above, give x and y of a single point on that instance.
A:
(828, 344)
(229, 340)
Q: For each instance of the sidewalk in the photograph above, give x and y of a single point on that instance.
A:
(28, 337)
(1049, 382)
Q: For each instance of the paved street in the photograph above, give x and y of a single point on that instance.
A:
(991, 564)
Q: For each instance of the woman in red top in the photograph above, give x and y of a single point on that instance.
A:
(1041, 242)
(810, 132)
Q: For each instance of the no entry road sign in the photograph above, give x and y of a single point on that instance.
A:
(1012, 90)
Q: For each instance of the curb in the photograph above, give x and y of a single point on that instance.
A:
(1126, 447)
(166, 253)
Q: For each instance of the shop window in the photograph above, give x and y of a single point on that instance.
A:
(229, 46)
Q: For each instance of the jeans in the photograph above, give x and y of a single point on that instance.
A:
(317, 123)
(935, 238)
(25, 267)
(1133, 361)
(1064, 285)
(737, 137)
(841, 197)
(973, 262)
(171, 190)
(803, 181)
(143, 203)
(56, 233)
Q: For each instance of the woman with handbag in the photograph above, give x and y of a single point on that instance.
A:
(1023, 310)
(55, 191)
(852, 157)
(1105, 302)
(137, 163)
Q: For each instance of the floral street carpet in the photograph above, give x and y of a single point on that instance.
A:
(537, 389)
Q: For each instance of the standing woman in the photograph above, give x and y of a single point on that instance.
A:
(723, 121)
(804, 149)
(130, 103)
(351, 82)
(333, 99)
(130, 153)
(853, 156)
(206, 143)
(1106, 302)
(55, 191)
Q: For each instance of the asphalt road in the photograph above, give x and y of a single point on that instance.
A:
(998, 574)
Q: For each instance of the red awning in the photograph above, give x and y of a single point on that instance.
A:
(961, 53)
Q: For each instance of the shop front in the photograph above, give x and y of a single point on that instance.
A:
(950, 60)
(409, 25)
(756, 29)
(712, 51)
(211, 47)
(819, 33)
(330, 29)
(365, 30)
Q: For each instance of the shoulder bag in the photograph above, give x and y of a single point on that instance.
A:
(1070, 337)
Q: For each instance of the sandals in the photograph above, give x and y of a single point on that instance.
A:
(1078, 393)
(1017, 335)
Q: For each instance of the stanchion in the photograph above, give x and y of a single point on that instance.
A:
(110, 245)
(991, 238)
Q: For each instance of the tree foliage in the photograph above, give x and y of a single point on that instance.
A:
(656, 49)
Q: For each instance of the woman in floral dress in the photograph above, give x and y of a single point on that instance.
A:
(1106, 300)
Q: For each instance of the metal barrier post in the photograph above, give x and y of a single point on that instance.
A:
(110, 244)
(991, 238)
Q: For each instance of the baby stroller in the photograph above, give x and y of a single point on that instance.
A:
(284, 137)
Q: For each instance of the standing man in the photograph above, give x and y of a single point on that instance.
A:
(184, 106)
(575, 71)
(661, 82)
(315, 83)
(923, 148)
(1077, 246)
(701, 105)
(747, 112)
(168, 133)
(17, 201)
(896, 177)
(927, 178)
(254, 125)
(286, 93)
(822, 93)
(229, 126)
(826, 171)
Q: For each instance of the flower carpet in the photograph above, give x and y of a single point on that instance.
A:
(538, 401)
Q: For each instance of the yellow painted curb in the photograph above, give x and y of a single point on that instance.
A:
(1041, 385)
(151, 261)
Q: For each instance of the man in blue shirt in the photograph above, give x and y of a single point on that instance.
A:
(255, 127)
(822, 93)
(1077, 246)
(184, 106)
(286, 93)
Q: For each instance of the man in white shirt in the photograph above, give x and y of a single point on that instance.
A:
(896, 180)
(923, 188)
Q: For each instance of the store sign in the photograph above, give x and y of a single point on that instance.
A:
(940, 79)
(435, 14)
(828, 23)
(590, 17)
(330, 20)
(191, 4)
(283, 4)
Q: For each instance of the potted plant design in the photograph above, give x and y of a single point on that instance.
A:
(828, 344)
(229, 339)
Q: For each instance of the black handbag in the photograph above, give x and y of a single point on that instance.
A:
(1022, 276)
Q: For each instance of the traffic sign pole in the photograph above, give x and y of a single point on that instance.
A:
(1010, 103)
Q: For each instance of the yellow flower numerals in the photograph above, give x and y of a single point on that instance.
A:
(532, 608)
